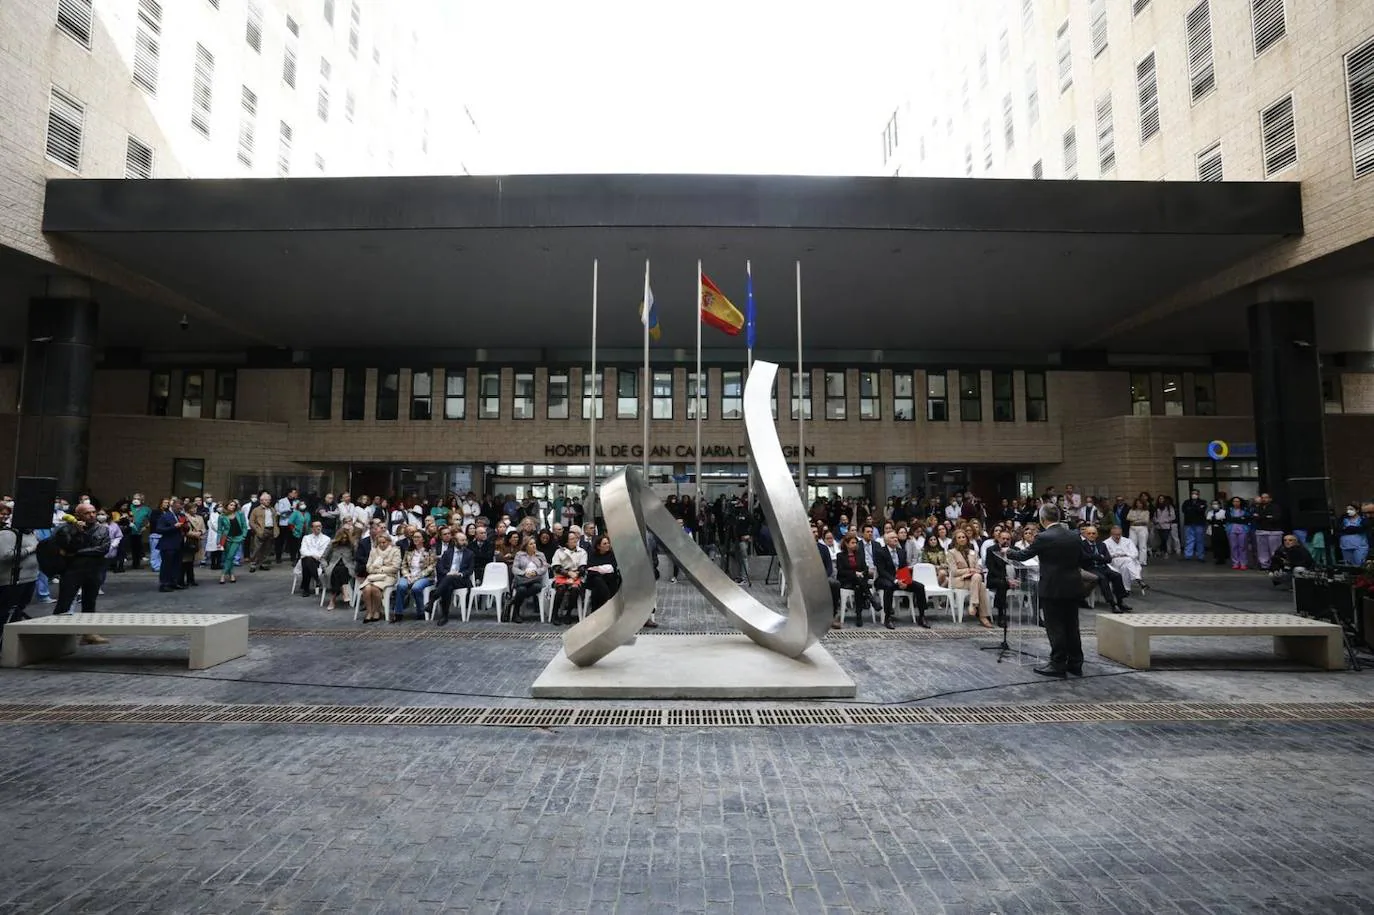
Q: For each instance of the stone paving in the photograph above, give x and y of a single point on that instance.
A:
(1084, 818)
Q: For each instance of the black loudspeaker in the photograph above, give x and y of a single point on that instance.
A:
(1310, 503)
(33, 499)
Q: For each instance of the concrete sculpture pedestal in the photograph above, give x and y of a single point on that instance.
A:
(697, 667)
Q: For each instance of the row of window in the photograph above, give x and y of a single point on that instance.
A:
(454, 397)
(193, 394)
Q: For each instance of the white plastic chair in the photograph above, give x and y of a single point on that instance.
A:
(846, 601)
(357, 600)
(295, 578)
(899, 595)
(925, 573)
(495, 584)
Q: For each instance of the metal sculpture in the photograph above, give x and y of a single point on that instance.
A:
(631, 507)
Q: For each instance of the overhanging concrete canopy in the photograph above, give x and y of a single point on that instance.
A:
(463, 262)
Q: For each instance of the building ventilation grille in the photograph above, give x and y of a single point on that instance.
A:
(147, 50)
(292, 27)
(1209, 163)
(74, 18)
(138, 159)
(248, 127)
(284, 151)
(288, 68)
(987, 145)
(1138, 5)
(721, 716)
(1097, 12)
(1278, 135)
(1268, 23)
(1008, 123)
(1359, 81)
(1032, 96)
(1070, 153)
(253, 29)
(1201, 74)
(1147, 88)
(1065, 53)
(66, 120)
(202, 91)
(1038, 169)
(1106, 135)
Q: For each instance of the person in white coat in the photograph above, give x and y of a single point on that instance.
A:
(1125, 558)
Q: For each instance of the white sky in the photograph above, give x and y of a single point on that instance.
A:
(709, 86)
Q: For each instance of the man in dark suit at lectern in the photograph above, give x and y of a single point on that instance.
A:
(1060, 552)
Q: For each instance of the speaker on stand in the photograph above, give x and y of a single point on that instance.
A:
(33, 501)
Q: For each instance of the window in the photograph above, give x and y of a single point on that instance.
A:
(1037, 403)
(1032, 96)
(147, 47)
(559, 389)
(253, 31)
(1209, 163)
(388, 394)
(202, 91)
(226, 393)
(288, 68)
(970, 397)
(692, 396)
(1138, 5)
(1140, 393)
(1097, 16)
(593, 388)
(869, 406)
(329, 13)
(488, 395)
(322, 106)
(455, 394)
(522, 396)
(138, 159)
(1173, 394)
(1279, 138)
(968, 160)
(354, 394)
(834, 395)
(1201, 74)
(1038, 168)
(987, 145)
(319, 163)
(1008, 123)
(1106, 135)
(188, 477)
(292, 27)
(1332, 393)
(663, 395)
(1267, 23)
(192, 394)
(321, 393)
(627, 394)
(1071, 153)
(801, 391)
(284, 151)
(1003, 398)
(774, 398)
(1065, 54)
(731, 395)
(74, 18)
(354, 25)
(1359, 88)
(1147, 89)
(248, 126)
(903, 397)
(421, 394)
(159, 393)
(1205, 394)
(937, 397)
(66, 121)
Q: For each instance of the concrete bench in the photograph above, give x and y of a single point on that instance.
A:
(1125, 638)
(215, 638)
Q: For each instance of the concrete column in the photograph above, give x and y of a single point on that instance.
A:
(1285, 371)
(56, 383)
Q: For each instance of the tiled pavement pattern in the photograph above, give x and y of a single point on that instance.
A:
(1167, 817)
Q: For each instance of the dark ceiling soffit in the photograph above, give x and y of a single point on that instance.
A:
(673, 201)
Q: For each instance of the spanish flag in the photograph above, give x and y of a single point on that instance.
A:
(717, 310)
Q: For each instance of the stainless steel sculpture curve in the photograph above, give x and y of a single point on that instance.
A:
(631, 507)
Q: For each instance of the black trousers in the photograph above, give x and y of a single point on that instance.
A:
(188, 570)
(288, 543)
(1111, 586)
(443, 594)
(602, 588)
(834, 594)
(1061, 625)
(915, 588)
(82, 574)
(341, 576)
(135, 542)
(14, 598)
(524, 591)
(310, 574)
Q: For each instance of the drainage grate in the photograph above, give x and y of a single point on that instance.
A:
(725, 716)
(392, 634)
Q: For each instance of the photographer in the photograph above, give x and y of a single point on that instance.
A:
(1289, 558)
(736, 525)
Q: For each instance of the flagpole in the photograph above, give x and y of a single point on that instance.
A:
(801, 407)
(591, 409)
(749, 367)
(697, 452)
(648, 379)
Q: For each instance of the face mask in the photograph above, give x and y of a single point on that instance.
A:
(1351, 512)
(102, 519)
(137, 503)
(1216, 505)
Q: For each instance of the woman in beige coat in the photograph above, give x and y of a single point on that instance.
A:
(383, 565)
(966, 574)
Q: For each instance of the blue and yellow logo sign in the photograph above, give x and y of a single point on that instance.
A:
(1218, 450)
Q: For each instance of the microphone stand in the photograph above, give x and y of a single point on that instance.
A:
(1003, 648)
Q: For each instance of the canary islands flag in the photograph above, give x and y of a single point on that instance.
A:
(717, 310)
(648, 315)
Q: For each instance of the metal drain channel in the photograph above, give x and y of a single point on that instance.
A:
(392, 634)
(712, 717)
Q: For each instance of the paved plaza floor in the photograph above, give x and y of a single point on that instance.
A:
(404, 768)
